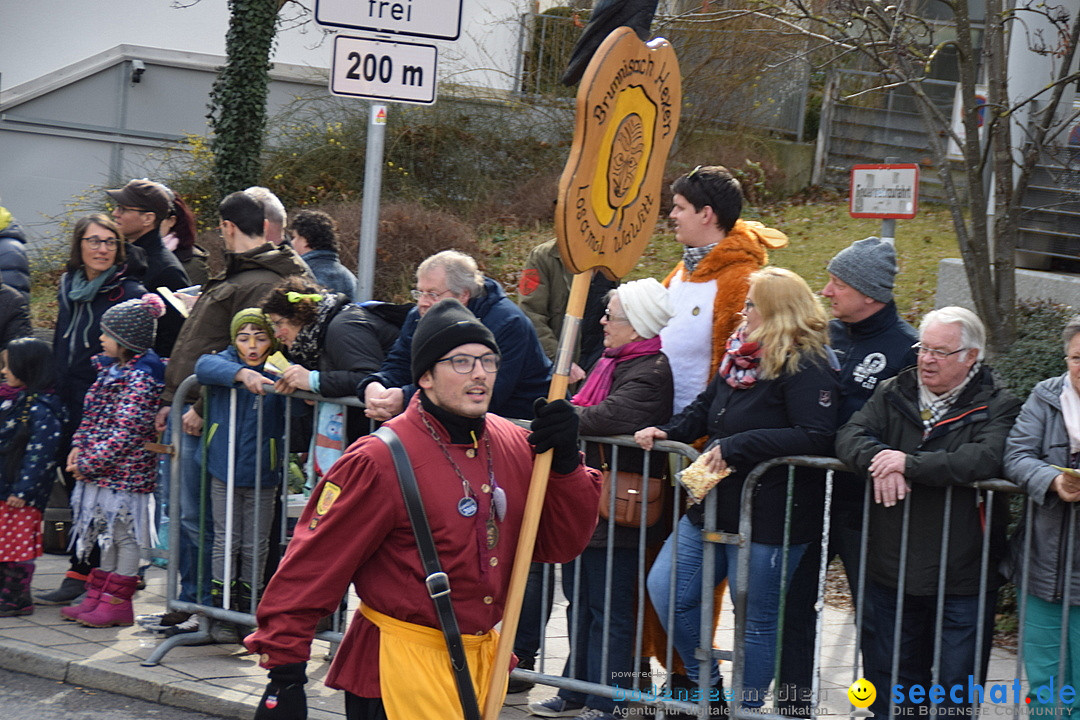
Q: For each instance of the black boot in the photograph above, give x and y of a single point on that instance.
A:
(16, 599)
(682, 687)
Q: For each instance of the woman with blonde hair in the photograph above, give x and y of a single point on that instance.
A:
(775, 393)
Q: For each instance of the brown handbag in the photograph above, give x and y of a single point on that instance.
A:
(630, 488)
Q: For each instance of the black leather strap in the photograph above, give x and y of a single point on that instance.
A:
(437, 582)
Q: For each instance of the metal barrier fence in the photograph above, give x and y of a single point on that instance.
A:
(638, 687)
(227, 612)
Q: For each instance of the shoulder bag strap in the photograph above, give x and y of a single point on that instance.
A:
(438, 584)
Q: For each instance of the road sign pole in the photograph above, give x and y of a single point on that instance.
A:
(369, 207)
(888, 225)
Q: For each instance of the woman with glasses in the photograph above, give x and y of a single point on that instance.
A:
(333, 342)
(97, 278)
(775, 393)
(630, 387)
(1044, 442)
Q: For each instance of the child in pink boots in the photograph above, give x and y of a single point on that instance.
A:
(111, 504)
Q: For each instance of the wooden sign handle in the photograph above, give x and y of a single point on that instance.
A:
(575, 307)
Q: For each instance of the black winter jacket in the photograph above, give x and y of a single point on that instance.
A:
(14, 315)
(965, 446)
(163, 269)
(793, 414)
(14, 264)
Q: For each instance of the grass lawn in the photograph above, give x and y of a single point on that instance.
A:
(817, 231)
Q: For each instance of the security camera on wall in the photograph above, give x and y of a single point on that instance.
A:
(137, 70)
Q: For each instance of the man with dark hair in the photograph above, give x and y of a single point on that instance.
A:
(141, 205)
(473, 470)
(708, 288)
(314, 237)
(525, 371)
(253, 267)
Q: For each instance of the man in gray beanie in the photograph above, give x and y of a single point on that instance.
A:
(473, 470)
(873, 343)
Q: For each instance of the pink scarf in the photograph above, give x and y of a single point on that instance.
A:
(740, 365)
(598, 384)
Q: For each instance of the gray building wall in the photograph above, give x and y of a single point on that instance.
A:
(67, 136)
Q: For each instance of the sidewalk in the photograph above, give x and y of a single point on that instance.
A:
(217, 679)
(224, 680)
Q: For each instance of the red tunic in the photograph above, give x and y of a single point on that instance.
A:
(365, 538)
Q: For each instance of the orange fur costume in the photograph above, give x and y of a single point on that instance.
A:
(731, 263)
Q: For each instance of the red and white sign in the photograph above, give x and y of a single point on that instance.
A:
(884, 191)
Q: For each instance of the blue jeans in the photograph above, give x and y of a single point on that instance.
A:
(960, 622)
(586, 615)
(535, 611)
(187, 554)
(762, 608)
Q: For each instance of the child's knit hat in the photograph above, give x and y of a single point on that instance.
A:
(133, 323)
(256, 317)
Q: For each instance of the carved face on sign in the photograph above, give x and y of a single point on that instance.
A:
(627, 114)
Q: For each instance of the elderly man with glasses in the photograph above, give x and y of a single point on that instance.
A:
(525, 370)
(921, 441)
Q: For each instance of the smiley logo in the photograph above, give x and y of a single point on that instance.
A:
(862, 693)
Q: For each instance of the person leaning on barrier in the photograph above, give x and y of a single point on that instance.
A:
(334, 342)
(775, 394)
(254, 444)
(630, 387)
(524, 372)
(473, 470)
(1045, 439)
(934, 428)
(253, 267)
(872, 343)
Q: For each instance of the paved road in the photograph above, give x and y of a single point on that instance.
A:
(32, 698)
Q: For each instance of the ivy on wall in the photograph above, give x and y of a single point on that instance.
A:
(238, 98)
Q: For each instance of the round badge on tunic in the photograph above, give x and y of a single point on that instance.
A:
(492, 534)
(467, 507)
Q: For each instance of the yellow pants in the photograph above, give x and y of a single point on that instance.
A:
(415, 676)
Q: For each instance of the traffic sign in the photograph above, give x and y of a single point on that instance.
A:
(884, 191)
(383, 70)
(419, 18)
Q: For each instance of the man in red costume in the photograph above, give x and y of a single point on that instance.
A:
(473, 470)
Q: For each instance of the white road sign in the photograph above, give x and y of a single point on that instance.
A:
(884, 191)
(384, 70)
(420, 18)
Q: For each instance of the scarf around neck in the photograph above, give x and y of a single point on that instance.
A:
(741, 363)
(1070, 411)
(83, 290)
(933, 407)
(598, 385)
(307, 347)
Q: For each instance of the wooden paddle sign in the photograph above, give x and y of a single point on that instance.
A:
(609, 196)
(627, 114)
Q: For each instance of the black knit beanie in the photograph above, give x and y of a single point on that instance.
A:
(446, 325)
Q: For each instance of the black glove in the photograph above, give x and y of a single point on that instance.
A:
(556, 428)
(284, 697)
